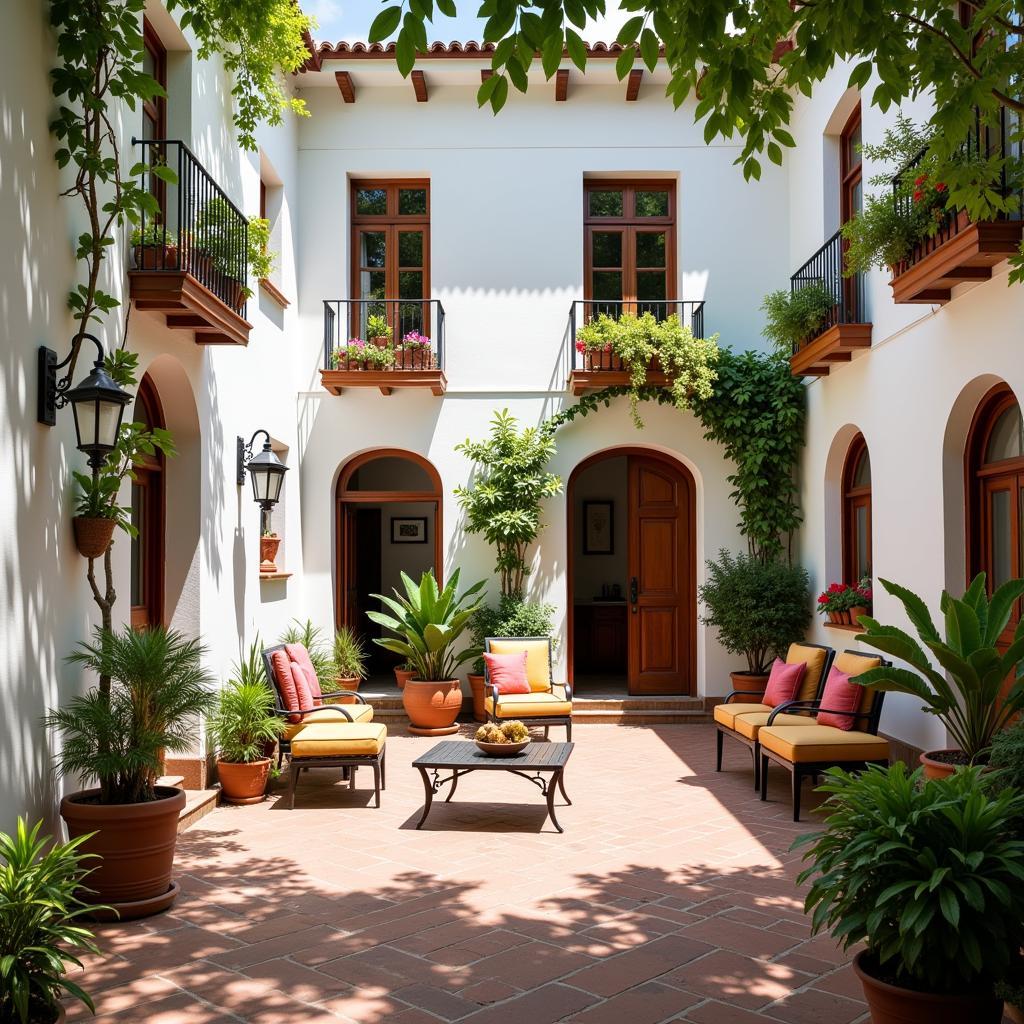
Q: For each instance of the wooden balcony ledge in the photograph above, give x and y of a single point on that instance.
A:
(959, 253)
(835, 345)
(335, 381)
(581, 381)
(188, 305)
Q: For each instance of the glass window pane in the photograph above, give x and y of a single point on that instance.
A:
(410, 248)
(650, 249)
(607, 248)
(137, 566)
(862, 473)
(607, 285)
(412, 201)
(1006, 440)
(853, 148)
(410, 318)
(606, 203)
(372, 201)
(372, 248)
(652, 204)
(1001, 532)
(650, 284)
(410, 284)
(857, 197)
(372, 284)
(863, 555)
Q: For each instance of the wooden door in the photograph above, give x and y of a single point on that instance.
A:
(661, 596)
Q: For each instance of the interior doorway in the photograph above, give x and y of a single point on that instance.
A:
(388, 522)
(632, 607)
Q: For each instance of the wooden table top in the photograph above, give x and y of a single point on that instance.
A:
(465, 753)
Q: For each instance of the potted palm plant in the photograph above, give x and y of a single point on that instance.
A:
(41, 906)
(929, 878)
(241, 727)
(158, 688)
(427, 623)
(967, 695)
(349, 659)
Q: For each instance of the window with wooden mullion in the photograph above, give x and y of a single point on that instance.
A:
(154, 111)
(857, 512)
(851, 202)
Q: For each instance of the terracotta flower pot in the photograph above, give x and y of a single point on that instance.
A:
(382, 341)
(479, 696)
(934, 768)
(402, 676)
(432, 707)
(415, 359)
(243, 783)
(349, 683)
(156, 257)
(844, 618)
(834, 617)
(268, 553)
(856, 612)
(890, 1004)
(1015, 1013)
(93, 536)
(595, 359)
(755, 681)
(136, 843)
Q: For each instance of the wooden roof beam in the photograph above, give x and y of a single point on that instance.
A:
(633, 85)
(419, 86)
(561, 85)
(344, 80)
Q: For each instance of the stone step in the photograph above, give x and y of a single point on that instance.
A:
(640, 716)
(198, 803)
(171, 781)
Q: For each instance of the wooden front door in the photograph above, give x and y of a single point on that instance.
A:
(661, 597)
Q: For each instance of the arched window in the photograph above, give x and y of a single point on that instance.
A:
(995, 472)
(147, 556)
(857, 511)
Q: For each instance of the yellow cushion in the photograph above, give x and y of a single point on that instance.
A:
(814, 659)
(749, 725)
(725, 714)
(359, 713)
(529, 705)
(346, 739)
(802, 744)
(538, 659)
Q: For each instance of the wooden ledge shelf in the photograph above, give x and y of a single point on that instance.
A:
(849, 627)
(967, 256)
(274, 292)
(188, 305)
(335, 381)
(593, 380)
(836, 345)
(268, 576)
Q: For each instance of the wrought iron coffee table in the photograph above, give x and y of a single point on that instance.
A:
(463, 756)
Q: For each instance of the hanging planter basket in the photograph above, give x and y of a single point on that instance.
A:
(93, 536)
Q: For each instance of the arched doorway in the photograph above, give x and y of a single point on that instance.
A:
(389, 520)
(632, 577)
(148, 516)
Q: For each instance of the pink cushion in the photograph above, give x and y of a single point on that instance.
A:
(305, 686)
(285, 681)
(840, 695)
(299, 654)
(783, 682)
(508, 672)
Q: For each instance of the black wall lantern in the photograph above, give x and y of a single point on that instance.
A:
(98, 401)
(266, 471)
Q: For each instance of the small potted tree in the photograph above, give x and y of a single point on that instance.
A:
(929, 878)
(349, 660)
(378, 330)
(427, 623)
(759, 608)
(42, 883)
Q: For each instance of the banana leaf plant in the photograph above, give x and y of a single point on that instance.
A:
(965, 693)
(427, 624)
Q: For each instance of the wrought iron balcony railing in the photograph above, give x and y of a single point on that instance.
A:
(416, 340)
(825, 269)
(199, 230)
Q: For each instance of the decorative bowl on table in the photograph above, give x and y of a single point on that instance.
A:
(504, 740)
(502, 749)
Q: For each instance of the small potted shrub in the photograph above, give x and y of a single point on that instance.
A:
(427, 623)
(349, 659)
(860, 596)
(759, 609)
(403, 673)
(967, 695)
(117, 734)
(41, 906)
(269, 543)
(154, 248)
(260, 257)
(414, 352)
(794, 317)
(242, 726)
(840, 601)
(378, 330)
(929, 878)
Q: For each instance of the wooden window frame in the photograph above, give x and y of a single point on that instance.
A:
(151, 475)
(849, 175)
(156, 108)
(855, 498)
(630, 225)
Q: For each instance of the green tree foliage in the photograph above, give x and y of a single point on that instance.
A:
(503, 500)
(512, 617)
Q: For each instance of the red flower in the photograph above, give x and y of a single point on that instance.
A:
(918, 196)
(940, 187)
(921, 179)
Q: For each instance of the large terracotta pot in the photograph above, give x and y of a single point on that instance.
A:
(268, 552)
(136, 843)
(432, 707)
(1014, 1013)
(935, 769)
(93, 536)
(755, 681)
(403, 675)
(479, 708)
(890, 1004)
(243, 783)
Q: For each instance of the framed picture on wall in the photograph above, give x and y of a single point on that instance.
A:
(599, 527)
(408, 529)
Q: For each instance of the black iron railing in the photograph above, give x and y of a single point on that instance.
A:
(825, 270)
(415, 341)
(198, 229)
(582, 311)
(983, 142)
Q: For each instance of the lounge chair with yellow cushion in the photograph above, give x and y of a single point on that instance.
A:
(844, 736)
(741, 719)
(548, 703)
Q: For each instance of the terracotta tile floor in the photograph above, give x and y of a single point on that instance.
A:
(670, 897)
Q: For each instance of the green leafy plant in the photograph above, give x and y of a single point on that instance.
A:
(509, 483)
(759, 608)
(260, 257)
(312, 638)
(792, 317)
(153, 234)
(41, 889)
(1007, 757)
(378, 327)
(427, 623)
(965, 695)
(349, 654)
(513, 616)
(159, 688)
(244, 722)
(927, 874)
